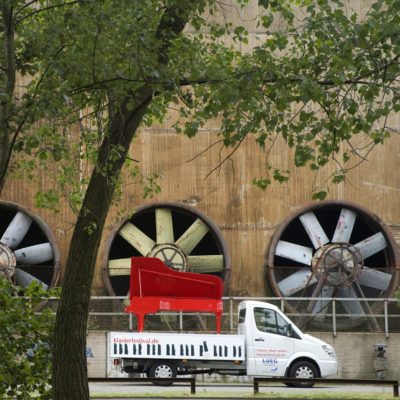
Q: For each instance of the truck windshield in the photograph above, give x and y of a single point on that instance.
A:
(269, 321)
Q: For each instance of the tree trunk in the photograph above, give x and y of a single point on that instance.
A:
(69, 363)
(70, 368)
(8, 87)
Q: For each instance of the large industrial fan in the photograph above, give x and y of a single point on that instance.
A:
(179, 235)
(28, 250)
(334, 249)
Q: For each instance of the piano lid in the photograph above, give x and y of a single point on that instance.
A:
(151, 277)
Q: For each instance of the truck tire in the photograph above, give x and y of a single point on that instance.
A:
(303, 369)
(162, 369)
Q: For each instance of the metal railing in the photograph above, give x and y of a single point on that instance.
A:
(157, 381)
(309, 314)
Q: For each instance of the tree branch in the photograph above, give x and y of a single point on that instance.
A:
(204, 151)
(17, 21)
(103, 84)
(29, 3)
(94, 52)
(228, 157)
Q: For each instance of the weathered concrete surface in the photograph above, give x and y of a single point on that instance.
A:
(356, 353)
(96, 351)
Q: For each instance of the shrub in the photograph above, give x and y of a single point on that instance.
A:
(26, 328)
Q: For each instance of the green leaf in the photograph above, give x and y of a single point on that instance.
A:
(263, 3)
(319, 195)
(261, 183)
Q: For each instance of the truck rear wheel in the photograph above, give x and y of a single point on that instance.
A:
(162, 369)
(303, 369)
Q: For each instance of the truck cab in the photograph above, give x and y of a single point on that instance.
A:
(275, 346)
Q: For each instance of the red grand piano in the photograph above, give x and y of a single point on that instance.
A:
(155, 287)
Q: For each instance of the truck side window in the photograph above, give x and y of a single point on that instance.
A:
(269, 321)
(242, 315)
(265, 320)
(283, 326)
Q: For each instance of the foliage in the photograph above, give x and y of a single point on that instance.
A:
(324, 80)
(25, 337)
(66, 51)
(323, 77)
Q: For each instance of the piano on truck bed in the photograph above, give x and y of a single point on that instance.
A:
(155, 287)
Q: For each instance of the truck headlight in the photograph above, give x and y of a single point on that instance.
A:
(329, 350)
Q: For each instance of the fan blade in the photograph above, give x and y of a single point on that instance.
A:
(127, 301)
(294, 252)
(191, 238)
(354, 306)
(137, 239)
(344, 226)
(296, 282)
(375, 279)
(320, 305)
(32, 255)
(164, 226)
(17, 230)
(314, 230)
(24, 279)
(119, 267)
(206, 264)
(371, 245)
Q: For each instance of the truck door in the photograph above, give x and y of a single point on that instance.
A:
(272, 345)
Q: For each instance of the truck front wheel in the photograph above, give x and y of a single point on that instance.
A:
(162, 369)
(303, 369)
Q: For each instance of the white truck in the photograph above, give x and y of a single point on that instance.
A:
(267, 344)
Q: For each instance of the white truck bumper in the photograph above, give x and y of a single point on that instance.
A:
(328, 367)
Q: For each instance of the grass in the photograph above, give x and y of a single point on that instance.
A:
(321, 396)
(264, 393)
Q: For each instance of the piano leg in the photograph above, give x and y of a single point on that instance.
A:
(218, 316)
(140, 321)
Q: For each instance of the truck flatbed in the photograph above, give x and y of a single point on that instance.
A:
(177, 346)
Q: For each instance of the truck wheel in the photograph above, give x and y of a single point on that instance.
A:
(303, 369)
(162, 369)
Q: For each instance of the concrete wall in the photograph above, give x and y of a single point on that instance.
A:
(355, 353)
(96, 350)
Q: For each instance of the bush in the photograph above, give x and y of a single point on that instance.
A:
(26, 329)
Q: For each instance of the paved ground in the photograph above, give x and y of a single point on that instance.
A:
(233, 391)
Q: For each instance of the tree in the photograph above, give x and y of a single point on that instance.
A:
(66, 77)
(322, 76)
(122, 93)
(70, 71)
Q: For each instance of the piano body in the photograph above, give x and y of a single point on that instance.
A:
(155, 287)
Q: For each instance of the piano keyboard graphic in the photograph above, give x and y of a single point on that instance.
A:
(182, 350)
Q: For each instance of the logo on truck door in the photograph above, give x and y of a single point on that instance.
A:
(270, 365)
(270, 361)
